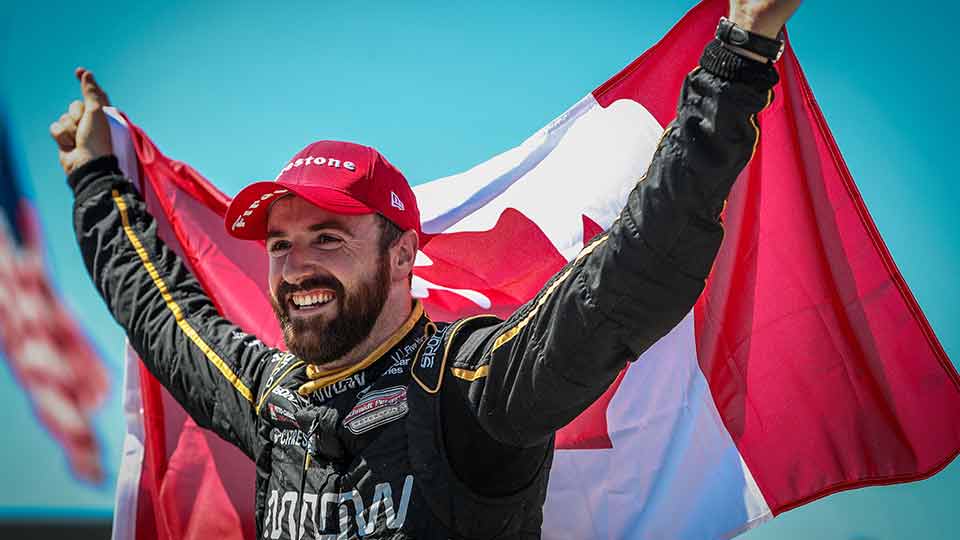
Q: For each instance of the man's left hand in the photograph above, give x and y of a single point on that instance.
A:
(764, 17)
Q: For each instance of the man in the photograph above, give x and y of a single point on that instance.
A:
(379, 422)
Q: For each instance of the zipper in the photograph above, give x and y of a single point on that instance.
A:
(307, 453)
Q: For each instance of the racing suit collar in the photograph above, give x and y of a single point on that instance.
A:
(320, 378)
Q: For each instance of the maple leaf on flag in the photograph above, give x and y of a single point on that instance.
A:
(804, 369)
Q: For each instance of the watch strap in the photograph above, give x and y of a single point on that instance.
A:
(731, 34)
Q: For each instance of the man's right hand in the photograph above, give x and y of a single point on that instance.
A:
(82, 133)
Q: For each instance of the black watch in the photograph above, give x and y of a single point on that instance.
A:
(731, 34)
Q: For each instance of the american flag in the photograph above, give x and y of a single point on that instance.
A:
(61, 374)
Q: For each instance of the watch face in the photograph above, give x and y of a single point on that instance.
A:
(738, 36)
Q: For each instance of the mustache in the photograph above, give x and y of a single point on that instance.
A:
(285, 289)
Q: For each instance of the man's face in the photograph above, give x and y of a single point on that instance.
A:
(328, 278)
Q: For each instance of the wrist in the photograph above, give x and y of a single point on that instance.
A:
(78, 157)
(103, 165)
(750, 22)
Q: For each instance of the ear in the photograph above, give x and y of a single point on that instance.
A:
(403, 253)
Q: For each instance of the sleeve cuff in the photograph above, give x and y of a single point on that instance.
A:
(729, 65)
(93, 169)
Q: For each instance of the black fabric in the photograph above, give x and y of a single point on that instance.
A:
(727, 64)
(483, 439)
(488, 466)
(455, 472)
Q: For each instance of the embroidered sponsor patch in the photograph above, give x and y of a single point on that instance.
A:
(433, 347)
(286, 394)
(427, 368)
(288, 437)
(281, 415)
(357, 380)
(376, 409)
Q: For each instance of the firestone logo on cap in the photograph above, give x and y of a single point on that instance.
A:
(240, 223)
(319, 161)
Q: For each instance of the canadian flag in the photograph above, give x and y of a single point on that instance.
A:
(805, 368)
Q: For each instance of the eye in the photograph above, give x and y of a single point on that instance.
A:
(327, 241)
(278, 247)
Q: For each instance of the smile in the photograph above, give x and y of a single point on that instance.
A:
(308, 300)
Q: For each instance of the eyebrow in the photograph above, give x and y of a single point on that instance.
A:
(329, 224)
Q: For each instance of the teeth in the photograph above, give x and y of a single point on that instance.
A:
(307, 300)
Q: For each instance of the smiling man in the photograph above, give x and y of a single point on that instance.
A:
(330, 219)
(379, 422)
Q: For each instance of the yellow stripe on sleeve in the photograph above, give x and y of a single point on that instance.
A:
(470, 375)
(185, 327)
(513, 331)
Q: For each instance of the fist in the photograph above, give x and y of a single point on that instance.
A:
(764, 17)
(82, 133)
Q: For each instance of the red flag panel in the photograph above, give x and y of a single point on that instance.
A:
(823, 369)
(821, 363)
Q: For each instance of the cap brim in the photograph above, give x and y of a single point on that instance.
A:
(246, 216)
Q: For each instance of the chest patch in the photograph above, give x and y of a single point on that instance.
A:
(281, 415)
(376, 409)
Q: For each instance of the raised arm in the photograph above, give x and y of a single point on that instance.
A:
(532, 374)
(206, 363)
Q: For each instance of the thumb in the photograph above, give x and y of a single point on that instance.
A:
(93, 96)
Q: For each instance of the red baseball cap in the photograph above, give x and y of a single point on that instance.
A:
(341, 177)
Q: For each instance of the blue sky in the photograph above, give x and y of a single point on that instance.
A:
(235, 88)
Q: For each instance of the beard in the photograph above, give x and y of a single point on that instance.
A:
(317, 340)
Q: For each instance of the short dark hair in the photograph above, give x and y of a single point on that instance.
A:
(389, 233)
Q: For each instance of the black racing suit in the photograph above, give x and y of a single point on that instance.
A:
(446, 431)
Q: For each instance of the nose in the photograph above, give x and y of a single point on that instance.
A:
(298, 266)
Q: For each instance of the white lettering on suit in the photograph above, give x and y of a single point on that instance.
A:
(277, 509)
(284, 506)
(357, 380)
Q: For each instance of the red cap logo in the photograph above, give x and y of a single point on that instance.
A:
(341, 177)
